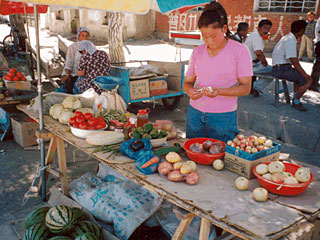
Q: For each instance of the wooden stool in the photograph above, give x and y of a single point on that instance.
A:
(277, 89)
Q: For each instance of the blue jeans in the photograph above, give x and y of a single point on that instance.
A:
(286, 71)
(221, 126)
(262, 82)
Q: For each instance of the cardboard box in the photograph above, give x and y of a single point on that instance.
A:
(158, 85)
(316, 230)
(139, 89)
(22, 85)
(242, 163)
(23, 129)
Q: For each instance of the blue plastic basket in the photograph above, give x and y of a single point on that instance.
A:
(108, 82)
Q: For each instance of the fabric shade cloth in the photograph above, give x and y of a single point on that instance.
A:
(10, 7)
(131, 6)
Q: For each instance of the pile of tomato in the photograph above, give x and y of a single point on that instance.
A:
(14, 75)
(87, 121)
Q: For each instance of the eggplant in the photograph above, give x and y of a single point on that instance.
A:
(207, 144)
(136, 145)
(216, 147)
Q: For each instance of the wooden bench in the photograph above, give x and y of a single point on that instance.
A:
(277, 89)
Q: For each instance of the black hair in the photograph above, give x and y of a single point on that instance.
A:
(298, 25)
(214, 13)
(264, 22)
(242, 26)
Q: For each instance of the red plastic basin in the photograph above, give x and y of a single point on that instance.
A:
(202, 158)
(281, 188)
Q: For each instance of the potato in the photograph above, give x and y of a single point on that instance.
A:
(192, 178)
(173, 157)
(165, 168)
(175, 176)
(177, 165)
(185, 168)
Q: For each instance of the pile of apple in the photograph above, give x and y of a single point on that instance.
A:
(252, 144)
(14, 75)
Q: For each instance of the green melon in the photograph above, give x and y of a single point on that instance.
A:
(37, 231)
(60, 219)
(36, 216)
(60, 238)
(79, 214)
(86, 236)
(87, 227)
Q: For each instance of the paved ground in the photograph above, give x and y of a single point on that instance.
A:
(298, 133)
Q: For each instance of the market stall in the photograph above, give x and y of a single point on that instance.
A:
(219, 203)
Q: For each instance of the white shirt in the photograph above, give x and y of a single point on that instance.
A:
(254, 42)
(317, 29)
(72, 60)
(285, 49)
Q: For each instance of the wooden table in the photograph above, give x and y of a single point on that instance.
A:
(214, 199)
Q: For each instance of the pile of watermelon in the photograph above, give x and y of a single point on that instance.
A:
(60, 223)
(14, 75)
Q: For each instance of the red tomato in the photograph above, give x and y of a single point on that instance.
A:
(11, 74)
(13, 70)
(83, 125)
(88, 115)
(100, 118)
(92, 121)
(76, 125)
(10, 78)
(77, 113)
(80, 119)
(100, 125)
(72, 120)
(6, 77)
(16, 79)
(23, 79)
(90, 127)
(19, 74)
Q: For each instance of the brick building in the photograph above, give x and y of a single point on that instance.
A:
(281, 12)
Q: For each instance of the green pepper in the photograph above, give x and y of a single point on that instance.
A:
(146, 135)
(147, 127)
(163, 134)
(139, 130)
(136, 135)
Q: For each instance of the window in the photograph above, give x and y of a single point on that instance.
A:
(294, 6)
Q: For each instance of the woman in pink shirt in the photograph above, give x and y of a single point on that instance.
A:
(219, 71)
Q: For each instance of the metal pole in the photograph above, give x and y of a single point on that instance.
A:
(42, 150)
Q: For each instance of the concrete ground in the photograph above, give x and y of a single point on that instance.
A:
(298, 133)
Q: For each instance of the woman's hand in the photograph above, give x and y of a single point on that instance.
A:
(194, 93)
(65, 78)
(210, 92)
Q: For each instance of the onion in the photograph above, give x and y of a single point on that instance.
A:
(242, 183)
(290, 180)
(218, 164)
(229, 143)
(192, 164)
(268, 143)
(262, 140)
(277, 177)
(303, 175)
(262, 169)
(276, 166)
(267, 176)
(260, 194)
(287, 174)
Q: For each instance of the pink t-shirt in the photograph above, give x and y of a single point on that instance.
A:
(221, 71)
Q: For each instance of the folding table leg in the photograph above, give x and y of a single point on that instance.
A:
(182, 228)
(62, 166)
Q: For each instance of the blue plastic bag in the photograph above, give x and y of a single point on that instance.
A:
(145, 158)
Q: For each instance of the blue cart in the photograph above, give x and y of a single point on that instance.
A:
(175, 71)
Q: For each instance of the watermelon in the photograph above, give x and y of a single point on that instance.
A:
(60, 238)
(86, 236)
(60, 219)
(36, 216)
(37, 231)
(87, 227)
(79, 214)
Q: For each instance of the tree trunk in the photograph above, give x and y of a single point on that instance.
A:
(17, 22)
(115, 24)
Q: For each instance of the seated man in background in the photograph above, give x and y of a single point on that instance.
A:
(284, 54)
(242, 32)
(260, 65)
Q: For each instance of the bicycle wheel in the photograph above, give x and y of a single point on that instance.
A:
(8, 48)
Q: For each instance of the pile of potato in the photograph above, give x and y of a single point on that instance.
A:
(177, 171)
(276, 172)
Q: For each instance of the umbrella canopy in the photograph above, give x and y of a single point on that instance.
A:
(9, 7)
(136, 6)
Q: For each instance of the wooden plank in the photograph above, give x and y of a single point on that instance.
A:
(44, 134)
(204, 229)
(182, 228)
(63, 166)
